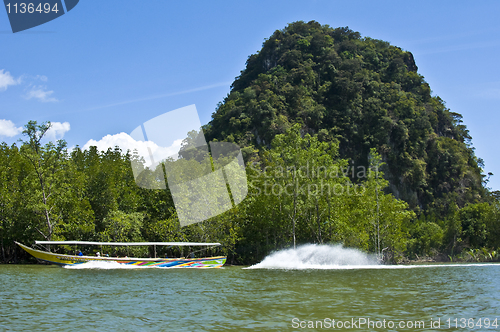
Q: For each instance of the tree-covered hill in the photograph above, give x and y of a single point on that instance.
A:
(363, 93)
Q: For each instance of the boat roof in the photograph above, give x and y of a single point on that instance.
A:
(130, 243)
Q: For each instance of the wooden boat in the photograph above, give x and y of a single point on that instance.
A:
(61, 260)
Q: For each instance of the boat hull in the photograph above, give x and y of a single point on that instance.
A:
(61, 260)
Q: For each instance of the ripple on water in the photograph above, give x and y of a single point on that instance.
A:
(37, 298)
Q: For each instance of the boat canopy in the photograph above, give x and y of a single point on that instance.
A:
(130, 243)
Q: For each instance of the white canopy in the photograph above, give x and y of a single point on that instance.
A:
(130, 243)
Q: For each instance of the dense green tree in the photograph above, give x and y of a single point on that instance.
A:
(302, 192)
(15, 217)
(47, 180)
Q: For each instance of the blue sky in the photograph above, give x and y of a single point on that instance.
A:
(108, 66)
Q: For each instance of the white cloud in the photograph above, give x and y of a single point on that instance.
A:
(6, 79)
(7, 128)
(42, 78)
(41, 93)
(57, 130)
(125, 142)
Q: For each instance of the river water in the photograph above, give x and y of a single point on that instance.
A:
(262, 298)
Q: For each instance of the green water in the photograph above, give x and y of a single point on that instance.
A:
(39, 298)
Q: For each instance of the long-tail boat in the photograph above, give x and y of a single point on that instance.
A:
(62, 259)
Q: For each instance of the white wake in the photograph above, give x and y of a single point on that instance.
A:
(102, 265)
(336, 257)
(315, 256)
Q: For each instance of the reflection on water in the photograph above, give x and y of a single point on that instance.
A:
(36, 298)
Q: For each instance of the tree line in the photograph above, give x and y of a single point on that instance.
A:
(299, 191)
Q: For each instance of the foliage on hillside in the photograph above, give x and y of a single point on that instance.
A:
(360, 92)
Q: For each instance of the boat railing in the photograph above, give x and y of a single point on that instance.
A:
(205, 246)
